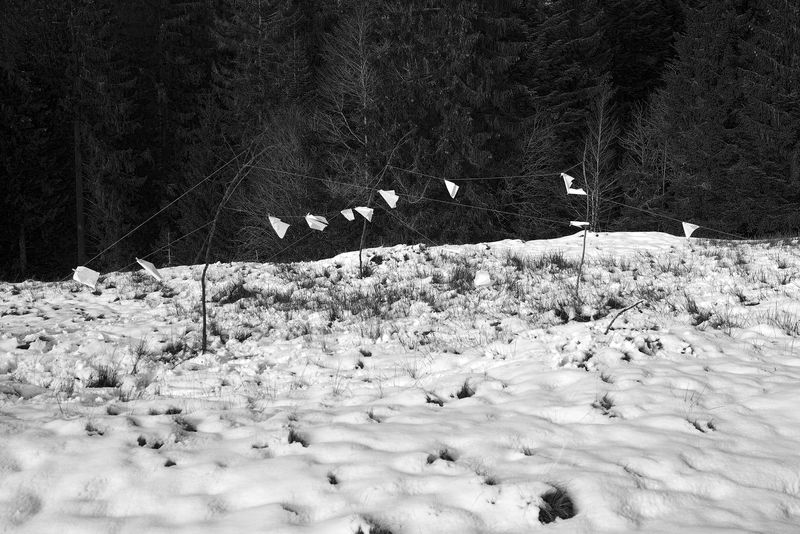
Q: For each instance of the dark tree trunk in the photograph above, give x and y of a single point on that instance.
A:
(81, 234)
(23, 252)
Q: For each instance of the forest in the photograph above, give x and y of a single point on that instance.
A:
(111, 110)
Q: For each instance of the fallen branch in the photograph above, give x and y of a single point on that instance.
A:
(620, 313)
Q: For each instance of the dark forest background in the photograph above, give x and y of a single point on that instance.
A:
(111, 109)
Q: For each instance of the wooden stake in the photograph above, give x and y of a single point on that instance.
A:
(580, 267)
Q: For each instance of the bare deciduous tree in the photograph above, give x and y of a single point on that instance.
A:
(598, 153)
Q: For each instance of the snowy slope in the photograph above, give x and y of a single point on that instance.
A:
(409, 401)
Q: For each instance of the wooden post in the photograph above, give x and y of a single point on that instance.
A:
(580, 267)
(363, 237)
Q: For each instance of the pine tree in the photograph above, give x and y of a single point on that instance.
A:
(640, 38)
(35, 164)
(771, 114)
(703, 101)
(568, 58)
(461, 69)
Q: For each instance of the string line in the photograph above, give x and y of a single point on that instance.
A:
(403, 195)
(481, 178)
(370, 187)
(655, 214)
(162, 210)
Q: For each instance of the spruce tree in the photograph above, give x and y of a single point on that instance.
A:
(703, 101)
(771, 114)
(568, 58)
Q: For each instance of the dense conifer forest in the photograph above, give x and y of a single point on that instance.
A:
(111, 110)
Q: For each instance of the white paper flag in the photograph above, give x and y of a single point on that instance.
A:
(579, 224)
(365, 212)
(568, 184)
(86, 276)
(316, 222)
(150, 269)
(348, 214)
(279, 226)
(451, 188)
(689, 228)
(482, 279)
(390, 197)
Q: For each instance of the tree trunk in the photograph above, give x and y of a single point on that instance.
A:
(78, 162)
(794, 165)
(23, 252)
(364, 235)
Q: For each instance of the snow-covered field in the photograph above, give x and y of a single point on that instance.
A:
(411, 401)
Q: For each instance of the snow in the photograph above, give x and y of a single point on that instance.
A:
(411, 400)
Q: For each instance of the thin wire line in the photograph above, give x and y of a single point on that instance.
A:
(300, 175)
(655, 214)
(370, 188)
(479, 178)
(162, 210)
(287, 247)
(398, 219)
(156, 251)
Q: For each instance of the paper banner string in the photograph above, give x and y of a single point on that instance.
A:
(348, 214)
(579, 224)
(482, 279)
(86, 276)
(390, 197)
(689, 228)
(365, 212)
(316, 222)
(150, 269)
(279, 226)
(451, 188)
(568, 184)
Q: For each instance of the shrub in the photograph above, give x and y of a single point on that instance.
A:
(466, 390)
(462, 278)
(106, 376)
(556, 504)
(699, 315)
(604, 405)
(233, 292)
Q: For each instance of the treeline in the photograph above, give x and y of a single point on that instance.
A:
(112, 109)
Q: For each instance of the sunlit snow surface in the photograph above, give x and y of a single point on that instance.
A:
(684, 417)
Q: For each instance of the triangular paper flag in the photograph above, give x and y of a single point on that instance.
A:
(316, 222)
(279, 226)
(689, 228)
(482, 279)
(451, 188)
(568, 184)
(579, 224)
(348, 214)
(390, 197)
(86, 276)
(151, 269)
(365, 212)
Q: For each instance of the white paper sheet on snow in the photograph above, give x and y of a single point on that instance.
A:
(348, 214)
(451, 188)
(568, 184)
(482, 279)
(86, 276)
(316, 222)
(689, 228)
(365, 212)
(150, 269)
(390, 197)
(579, 224)
(279, 226)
